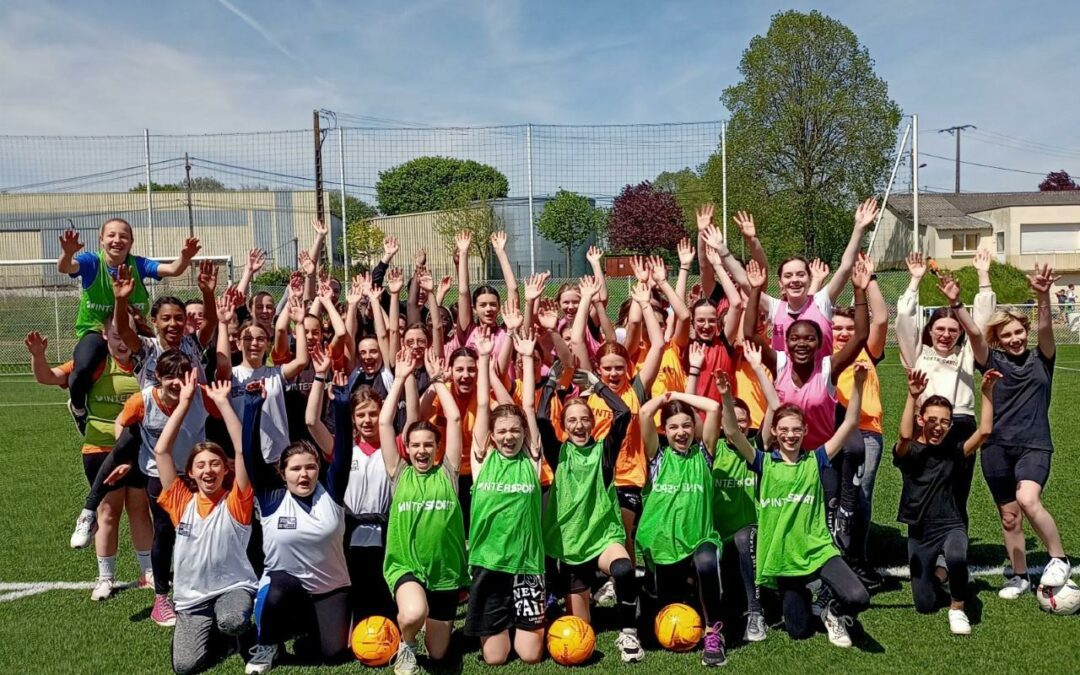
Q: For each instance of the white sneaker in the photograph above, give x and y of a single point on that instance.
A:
(1015, 587)
(145, 580)
(404, 661)
(262, 659)
(836, 626)
(85, 527)
(606, 593)
(1056, 573)
(959, 623)
(629, 647)
(103, 590)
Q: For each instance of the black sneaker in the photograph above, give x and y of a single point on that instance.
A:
(714, 653)
(842, 530)
(79, 417)
(867, 574)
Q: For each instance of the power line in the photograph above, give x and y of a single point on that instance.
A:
(985, 166)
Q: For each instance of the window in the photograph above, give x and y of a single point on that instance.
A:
(1000, 238)
(1050, 238)
(965, 243)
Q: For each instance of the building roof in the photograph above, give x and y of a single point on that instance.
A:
(953, 211)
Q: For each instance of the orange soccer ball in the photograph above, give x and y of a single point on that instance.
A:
(375, 640)
(678, 628)
(570, 640)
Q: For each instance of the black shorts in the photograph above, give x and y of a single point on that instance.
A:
(1004, 466)
(630, 499)
(92, 465)
(578, 578)
(499, 600)
(442, 605)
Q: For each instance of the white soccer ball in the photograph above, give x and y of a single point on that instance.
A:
(1059, 599)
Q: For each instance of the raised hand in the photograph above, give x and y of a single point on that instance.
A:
(296, 284)
(444, 287)
(424, 280)
(868, 261)
(395, 280)
(191, 248)
(1042, 278)
(686, 252)
(255, 260)
(420, 259)
(404, 363)
(657, 269)
(483, 341)
(534, 286)
(640, 294)
(36, 343)
(307, 265)
(640, 268)
(860, 275)
(295, 307)
(705, 215)
(512, 318)
(714, 257)
(436, 367)
(324, 290)
(756, 275)
(694, 295)
(819, 270)
(208, 273)
(745, 222)
(355, 292)
(866, 213)
(547, 314)
(723, 383)
(916, 383)
(524, 342)
(713, 238)
(982, 260)
(752, 353)
(320, 360)
(318, 226)
(390, 248)
(989, 379)
(218, 392)
(462, 241)
(861, 371)
(949, 288)
(593, 255)
(498, 241)
(123, 283)
(225, 308)
(695, 356)
(916, 265)
(191, 383)
(589, 287)
(69, 242)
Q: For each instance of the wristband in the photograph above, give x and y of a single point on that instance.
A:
(694, 372)
(685, 269)
(957, 305)
(873, 277)
(321, 378)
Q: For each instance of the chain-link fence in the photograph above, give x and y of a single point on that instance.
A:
(1066, 317)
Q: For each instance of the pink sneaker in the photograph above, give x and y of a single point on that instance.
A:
(163, 613)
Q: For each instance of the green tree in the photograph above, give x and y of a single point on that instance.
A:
(365, 241)
(1010, 285)
(690, 192)
(437, 183)
(355, 209)
(811, 133)
(569, 219)
(198, 184)
(476, 216)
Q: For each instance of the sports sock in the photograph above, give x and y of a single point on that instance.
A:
(106, 566)
(144, 561)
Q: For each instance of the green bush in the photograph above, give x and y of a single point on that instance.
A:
(1010, 285)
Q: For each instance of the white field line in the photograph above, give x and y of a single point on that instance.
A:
(29, 405)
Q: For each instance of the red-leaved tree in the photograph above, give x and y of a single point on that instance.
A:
(1057, 181)
(645, 219)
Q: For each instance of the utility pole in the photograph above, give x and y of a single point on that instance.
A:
(955, 131)
(187, 185)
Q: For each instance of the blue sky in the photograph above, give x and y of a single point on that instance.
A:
(115, 67)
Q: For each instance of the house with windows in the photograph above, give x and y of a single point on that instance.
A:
(1021, 228)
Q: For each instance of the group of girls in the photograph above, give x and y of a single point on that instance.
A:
(318, 460)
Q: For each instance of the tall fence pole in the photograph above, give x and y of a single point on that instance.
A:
(915, 183)
(56, 318)
(319, 207)
(888, 189)
(344, 222)
(723, 177)
(532, 218)
(149, 193)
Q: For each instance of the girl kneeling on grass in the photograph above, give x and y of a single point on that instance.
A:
(506, 547)
(932, 460)
(677, 533)
(425, 538)
(794, 544)
(213, 583)
(305, 585)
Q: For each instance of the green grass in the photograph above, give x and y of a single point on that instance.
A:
(63, 631)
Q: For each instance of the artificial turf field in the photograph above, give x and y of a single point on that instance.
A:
(63, 631)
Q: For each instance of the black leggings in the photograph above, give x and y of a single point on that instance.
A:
(923, 549)
(849, 596)
(704, 565)
(741, 552)
(287, 610)
(161, 551)
(369, 594)
(125, 451)
(90, 352)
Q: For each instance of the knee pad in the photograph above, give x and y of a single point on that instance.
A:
(622, 571)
